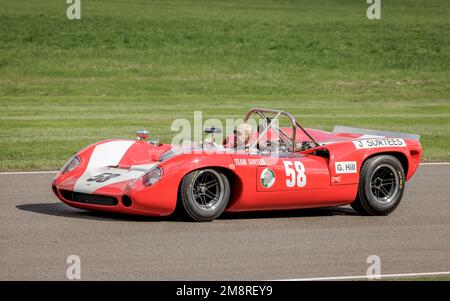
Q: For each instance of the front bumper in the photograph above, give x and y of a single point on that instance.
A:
(157, 200)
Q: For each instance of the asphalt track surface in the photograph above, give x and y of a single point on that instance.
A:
(38, 233)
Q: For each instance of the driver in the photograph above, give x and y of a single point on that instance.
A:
(243, 134)
(241, 137)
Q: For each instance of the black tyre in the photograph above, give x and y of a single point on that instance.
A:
(381, 186)
(204, 194)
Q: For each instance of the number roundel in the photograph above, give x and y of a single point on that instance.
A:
(295, 174)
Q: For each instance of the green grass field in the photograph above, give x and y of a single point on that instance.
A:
(132, 64)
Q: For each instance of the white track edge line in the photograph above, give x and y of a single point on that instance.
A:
(28, 172)
(367, 277)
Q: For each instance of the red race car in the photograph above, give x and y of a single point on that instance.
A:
(269, 167)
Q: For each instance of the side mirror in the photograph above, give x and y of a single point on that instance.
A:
(213, 130)
(142, 134)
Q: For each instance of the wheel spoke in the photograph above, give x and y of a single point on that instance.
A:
(383, 172)
(375, 191)
(204, 202)
(387, 181)
(384, 191)
(211, 184)
(210, 194)
(201, 179)
(197, 197)
(205, 179)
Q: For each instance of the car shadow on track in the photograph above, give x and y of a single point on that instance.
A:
(314, 212)
(59, 209)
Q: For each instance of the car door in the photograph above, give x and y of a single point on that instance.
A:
(294, 182)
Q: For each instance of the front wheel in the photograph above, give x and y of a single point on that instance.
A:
(381, 186)
(204, 194)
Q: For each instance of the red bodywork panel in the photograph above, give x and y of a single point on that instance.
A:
(327, 175)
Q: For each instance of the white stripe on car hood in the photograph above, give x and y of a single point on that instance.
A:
(108, 153)
(104, 155)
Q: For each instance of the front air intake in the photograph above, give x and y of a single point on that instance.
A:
(86, 198)
(126, 201)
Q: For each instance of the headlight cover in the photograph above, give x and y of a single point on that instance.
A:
(152, 176)
(71, 165)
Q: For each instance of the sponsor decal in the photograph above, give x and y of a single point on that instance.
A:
(267, 177)
(243, 162)
(379, 142)
(345, 167)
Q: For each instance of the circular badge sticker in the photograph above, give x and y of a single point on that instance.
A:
(267, 177)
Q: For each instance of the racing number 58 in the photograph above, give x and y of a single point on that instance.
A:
(295, 177)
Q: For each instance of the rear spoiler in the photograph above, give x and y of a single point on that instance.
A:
(350, 130)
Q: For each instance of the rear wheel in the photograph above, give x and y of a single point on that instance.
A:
(204, 194)
(381, 186)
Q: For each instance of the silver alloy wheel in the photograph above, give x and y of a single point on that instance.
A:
(384, 183)
(207, 189)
